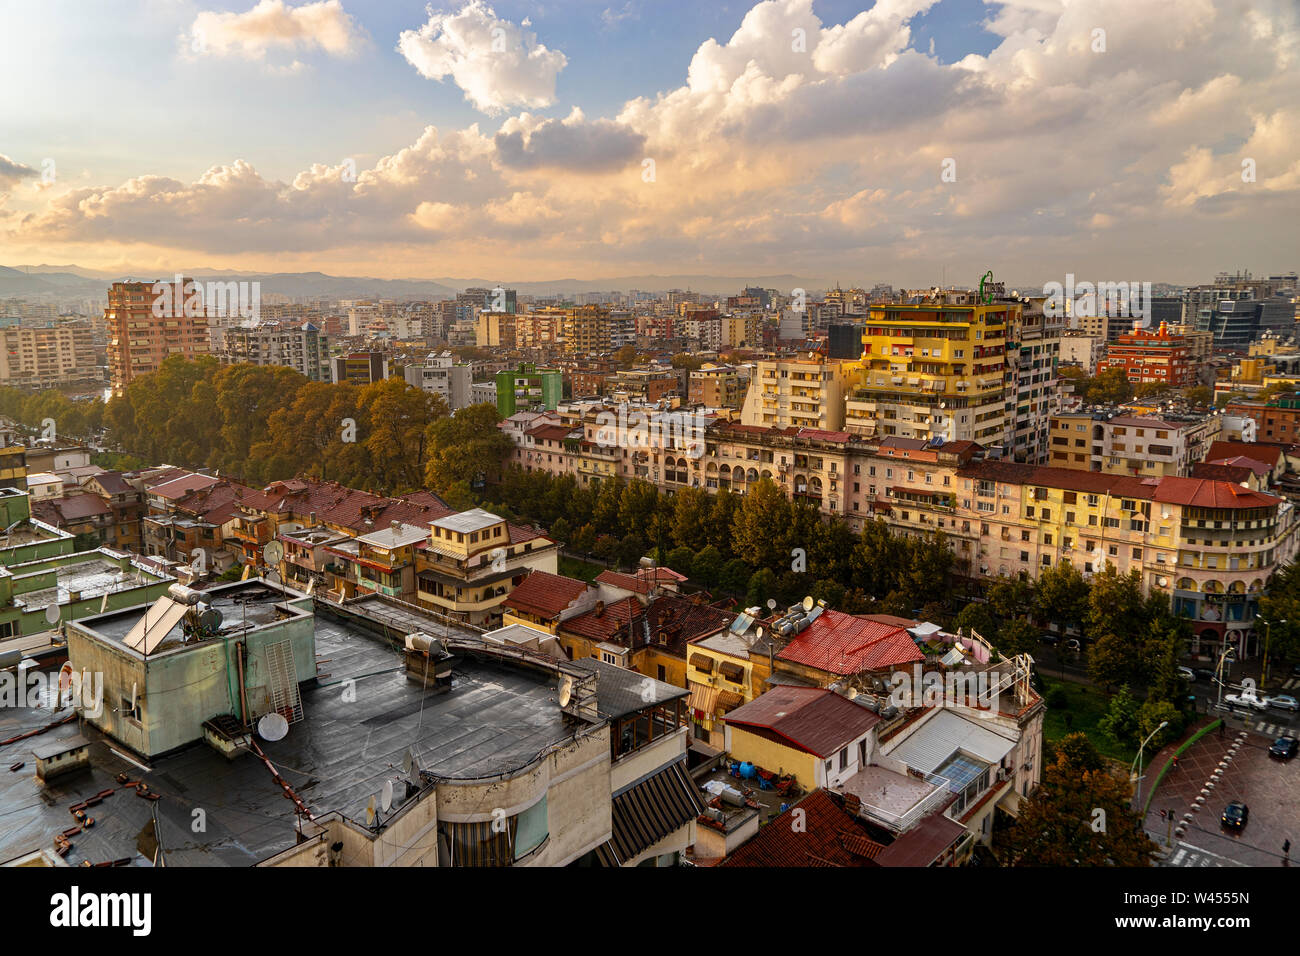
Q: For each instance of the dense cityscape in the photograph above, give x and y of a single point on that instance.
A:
(720, 558)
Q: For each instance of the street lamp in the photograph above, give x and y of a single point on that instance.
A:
(1218, 670)
(1137, 761)
(1268, 632)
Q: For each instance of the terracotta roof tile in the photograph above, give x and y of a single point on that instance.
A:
(830, 836)
(812, 719)
(545, 594)
(846, 644)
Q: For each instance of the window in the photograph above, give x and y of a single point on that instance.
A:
(844, 758)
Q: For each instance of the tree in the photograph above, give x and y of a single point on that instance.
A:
(1282, 604)
(1010, 598)
(679, 559)
(584, 539)
(1061, 597)
(1120, 722)
(1151, 715)
(561, 531)
(625, 356)
(397, 418)
(735, 575)
(1016, 636)
(1199, 395)
(707, 566)
(467, 446)
(762, 584)
(1079, 816)
(975, 616)
(691, 508)
(762, 515)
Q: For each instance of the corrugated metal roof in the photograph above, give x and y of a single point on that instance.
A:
(926, 748)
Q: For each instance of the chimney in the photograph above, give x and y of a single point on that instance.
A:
(600, 608)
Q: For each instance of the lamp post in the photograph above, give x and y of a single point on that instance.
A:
(1218, 670)
(1137, 761)
(1268, 633)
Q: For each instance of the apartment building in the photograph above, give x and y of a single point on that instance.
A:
(442, 375)
(61, 354)
(1032, 396)
(1208, 545)
(1277, 420)
(139, 341)
(587, 329)
(740, 330)
(935, 368)
(1132, 444)
(1082, 350)
(359, 368)
(472, 560)
(1162, 357)
(716, 386)
(528, 387)
(797, 392)
(303, 348)
(643, 385)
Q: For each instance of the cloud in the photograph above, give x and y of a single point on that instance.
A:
(499, 65)
(12, 172)
(274, 26)
(611, 17)
(572, 144)
(811, 156)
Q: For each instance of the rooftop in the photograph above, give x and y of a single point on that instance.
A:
(466, 522)
(497, 718)
(847, 644)
(92, 576)
(812, 719)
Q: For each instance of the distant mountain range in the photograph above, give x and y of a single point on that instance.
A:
(71, 281)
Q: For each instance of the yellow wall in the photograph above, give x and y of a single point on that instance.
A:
(769, 755)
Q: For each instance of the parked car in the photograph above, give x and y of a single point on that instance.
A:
(1284, 702)
(1236, 815)
(1245, 700)
(1187, 673)
(1072, 644)
(1284, 747)
(1203, 673)
(1051, 640)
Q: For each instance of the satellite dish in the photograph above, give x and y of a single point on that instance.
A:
(386, 796)
(758, 632)
(771, 604)
(370, 812)
(52, 614)
(407, 761)
(853, 693)
(808, 603)
(273, 727)
(210, 619)
(566, 692)
(272, 552)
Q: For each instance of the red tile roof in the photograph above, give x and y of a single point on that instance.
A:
(112, 483)
(545, 594)
(1256, 451)
(612, 621)
(829, 836)
(812, 719)
(624, 581)
(182, 486)
(846, 644)
(551, 432)
(1203, 493)
(923, 844)
(62, 511)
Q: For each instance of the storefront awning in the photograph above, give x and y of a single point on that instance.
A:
(645, 813)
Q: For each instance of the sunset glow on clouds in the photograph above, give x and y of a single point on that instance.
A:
(792, 144)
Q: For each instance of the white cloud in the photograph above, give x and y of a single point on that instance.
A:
(498, 64)
(275, 26)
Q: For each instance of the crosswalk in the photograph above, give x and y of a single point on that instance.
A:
(1292, 684)
(1188, 855)
(1272, 730)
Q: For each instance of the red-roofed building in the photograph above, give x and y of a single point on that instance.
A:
(837, 645)
(543, 600)
(815, 734)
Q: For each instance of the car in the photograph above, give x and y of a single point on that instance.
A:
(1187, 673)
(1245, 700)
(1284, 702)
(1235, 815)
(1203, 673)
(1284, 747)
(1051, 640)
(1072, 644)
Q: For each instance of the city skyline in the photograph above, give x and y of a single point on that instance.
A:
(906, 141)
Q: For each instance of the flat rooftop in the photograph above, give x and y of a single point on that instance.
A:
(496, 718)
(243, 605)
(92, 577)
(476, 519)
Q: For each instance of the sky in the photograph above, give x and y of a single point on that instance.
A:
(905, 141)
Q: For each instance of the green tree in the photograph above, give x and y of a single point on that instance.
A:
(707, 566)
(691, 507)
(467, 446)
(1059, 824)
(1061, 597)
(1120, 722)
(975, 616)
(1016, 636)
(763, 513)
(735, 576)
(679, 559)
(762, 585)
